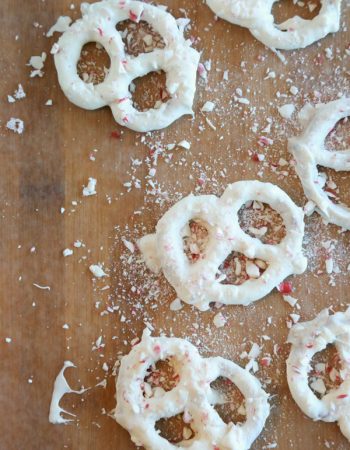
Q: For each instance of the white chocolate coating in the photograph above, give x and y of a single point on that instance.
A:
(98, 24)
(193, 395)
(245, 13)
(197, 283)
(60, 389)
(309, 151)
(307, 339)
(292, 34)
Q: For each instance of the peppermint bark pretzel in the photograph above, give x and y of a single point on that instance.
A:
(292, 34)
(307, 339)
(309, 151)
(98, 24)
(192, 396)
(198, 284)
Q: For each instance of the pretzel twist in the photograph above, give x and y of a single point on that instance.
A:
(192, 395)
(307, 339)
(198, 284)
(98, 24)
(292, 34)
(309, 151)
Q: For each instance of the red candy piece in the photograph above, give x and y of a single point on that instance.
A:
(285, 287)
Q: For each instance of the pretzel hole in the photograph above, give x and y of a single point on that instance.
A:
(195, 239)
(260, 221)
(326, 371)
(139, 37)
(176, 429)
(161, 377)
(283, 10)
(335, 184)
(338, 138)
(149, 91)
(94, 63)
(230, 406)
(237, 269)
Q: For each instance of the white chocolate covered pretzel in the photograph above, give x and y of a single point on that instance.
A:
(292, 34)
(309, 151)
(177, 59)
(192, 396)
(307, 339)
(199, 283)
(245, 13)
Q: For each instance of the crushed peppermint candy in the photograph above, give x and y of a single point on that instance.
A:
(176, 305)
(219, 320)
(97, 271)
(90, 189)
(16, 125)
(287, 111)
(17, 95)
(37, 63)
(208, 107)
(184, 144)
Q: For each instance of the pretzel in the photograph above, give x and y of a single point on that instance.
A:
(192, 396)
(197, 284)
(307, 339)
(98, 24)
(309, 151)
(245, 13)
(292, 34)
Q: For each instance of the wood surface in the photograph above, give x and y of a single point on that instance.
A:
(45, 168)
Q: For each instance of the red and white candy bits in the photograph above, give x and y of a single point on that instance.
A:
(98, 24)
(138, 409)
(307, 339)
(309, 151)
(199, 283)
(292, 34)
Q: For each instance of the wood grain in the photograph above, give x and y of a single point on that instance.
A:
(45, 168)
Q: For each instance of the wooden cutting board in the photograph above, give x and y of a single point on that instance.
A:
(44, 170)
